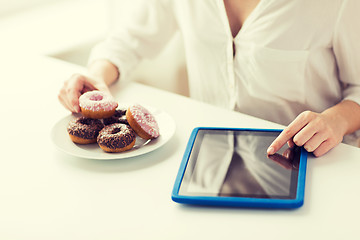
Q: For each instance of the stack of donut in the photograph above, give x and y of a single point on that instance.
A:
(114, 130)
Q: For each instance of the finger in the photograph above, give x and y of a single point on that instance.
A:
(313, 143)
(77, 83)
(290, 143)
(64, 100)
(305, 134)
(88, 87)
(72, 106)
(323, 148)
(75, 88)
(73, 99)
(287, 134)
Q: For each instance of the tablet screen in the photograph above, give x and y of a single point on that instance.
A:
(235, 164)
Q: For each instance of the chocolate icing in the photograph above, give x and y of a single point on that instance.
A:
(116, 135)
(86, 128)
(118, 117)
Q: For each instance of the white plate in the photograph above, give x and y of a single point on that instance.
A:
(61, 139)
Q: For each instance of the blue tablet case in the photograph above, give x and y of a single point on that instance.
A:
(239, 201)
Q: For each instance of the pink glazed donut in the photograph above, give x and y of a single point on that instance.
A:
(142, 122)
(96, 105)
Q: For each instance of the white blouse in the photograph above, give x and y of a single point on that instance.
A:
(290, 56)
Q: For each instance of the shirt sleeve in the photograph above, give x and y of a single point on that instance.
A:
(347, 50)
(151, 27)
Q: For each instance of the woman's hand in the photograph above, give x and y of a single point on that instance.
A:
(320, 132)
(102, 74)
(75, 86)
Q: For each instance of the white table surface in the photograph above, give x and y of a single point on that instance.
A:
(47, 194)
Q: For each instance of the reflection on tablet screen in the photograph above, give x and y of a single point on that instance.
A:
(235, 164)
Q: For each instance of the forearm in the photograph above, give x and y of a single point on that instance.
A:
(346, 114)
(103, 70)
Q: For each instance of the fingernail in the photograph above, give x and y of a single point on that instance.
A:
(270, 150)
(77, 109)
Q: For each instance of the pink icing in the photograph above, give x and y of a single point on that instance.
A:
(96, 97)
(96, 101)
(145, 120)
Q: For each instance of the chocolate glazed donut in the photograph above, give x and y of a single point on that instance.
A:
(118, 117)
(116, 137)
(84, 130)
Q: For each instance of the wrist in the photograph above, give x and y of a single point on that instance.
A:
(344, 116)
(104, 72)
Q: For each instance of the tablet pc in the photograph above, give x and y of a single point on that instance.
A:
(230, 167)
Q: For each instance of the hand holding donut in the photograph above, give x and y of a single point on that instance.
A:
(90, 95)
(74, 87)
(102, 74)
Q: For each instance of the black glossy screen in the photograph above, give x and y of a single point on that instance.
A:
(235, 163)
